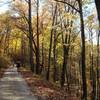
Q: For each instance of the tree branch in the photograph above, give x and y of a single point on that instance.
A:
(68, 5)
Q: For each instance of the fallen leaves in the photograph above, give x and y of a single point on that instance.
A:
(43, 88)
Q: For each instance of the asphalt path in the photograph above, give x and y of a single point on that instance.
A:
(14, 87)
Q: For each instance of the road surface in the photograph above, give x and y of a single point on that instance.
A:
(14, 87)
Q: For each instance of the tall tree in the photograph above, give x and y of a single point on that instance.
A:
(97, 2)
(37, 50)
(55, 74)
(30, 37)
(83, 57)
(50, 47)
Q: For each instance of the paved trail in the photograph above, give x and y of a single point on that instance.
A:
(14, 87)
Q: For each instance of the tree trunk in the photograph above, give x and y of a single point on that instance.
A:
(83, 53)
(55, 75)
(37, 50)
(98, 64)
(92, 71)
(30, 38)
(97, 2)
(50, 47)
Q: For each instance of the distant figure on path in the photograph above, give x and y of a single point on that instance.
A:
(18, 64)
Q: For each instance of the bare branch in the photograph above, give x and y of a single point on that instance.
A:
(27, 1)
(68, 5)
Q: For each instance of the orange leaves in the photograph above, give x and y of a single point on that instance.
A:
(45, 89)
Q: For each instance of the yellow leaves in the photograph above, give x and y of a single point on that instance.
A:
(91, 17)
(59, 45)
(70, 16)
(60, 59)
(20, 7)
(91, 22)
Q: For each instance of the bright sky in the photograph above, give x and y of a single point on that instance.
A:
(4, 5)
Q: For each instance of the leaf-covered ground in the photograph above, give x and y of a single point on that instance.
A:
(45, 89)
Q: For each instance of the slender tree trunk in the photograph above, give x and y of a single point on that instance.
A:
(55, 77)
(83, 53)
(42, 66)
(22, 49)
(30, 38)
(98, 64)
(55, 74)
(65, 55)
(92, 71)
(15, 49)
(97, 2)
(37, 50)
(50, 47)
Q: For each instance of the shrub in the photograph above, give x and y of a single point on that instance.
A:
(4, 61)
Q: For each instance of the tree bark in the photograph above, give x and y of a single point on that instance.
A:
(50, 47)
(84, 84)
(37, 50)
(97, 2)
(30, 38)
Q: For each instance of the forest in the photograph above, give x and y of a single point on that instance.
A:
(57, 40)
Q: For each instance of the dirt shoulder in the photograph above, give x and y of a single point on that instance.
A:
(45, 89)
